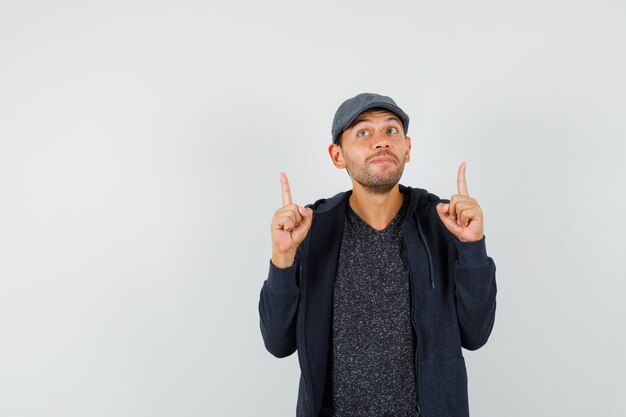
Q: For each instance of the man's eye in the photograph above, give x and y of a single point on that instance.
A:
(392, 130)
(362, 133)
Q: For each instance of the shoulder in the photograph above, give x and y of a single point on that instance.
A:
(424, 205)
(327, 204)
(420, 199)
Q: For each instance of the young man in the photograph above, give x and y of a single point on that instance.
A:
(380, 287)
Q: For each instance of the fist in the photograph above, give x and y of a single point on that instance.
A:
(290, 225)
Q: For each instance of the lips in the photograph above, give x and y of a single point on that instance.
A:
(382, 158)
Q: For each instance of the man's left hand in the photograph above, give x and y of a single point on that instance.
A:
(463, 217)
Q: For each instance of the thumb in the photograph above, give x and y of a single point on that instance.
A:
(442, 208)
(306, 213)
(305, 223)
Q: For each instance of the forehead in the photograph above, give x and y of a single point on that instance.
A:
(375, 115)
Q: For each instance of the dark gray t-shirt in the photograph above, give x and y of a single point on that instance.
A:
(371, 368)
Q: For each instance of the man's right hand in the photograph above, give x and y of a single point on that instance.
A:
(290, 225)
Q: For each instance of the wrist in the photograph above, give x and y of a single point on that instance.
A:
(472, 253)
(460, 239)
(281, 260)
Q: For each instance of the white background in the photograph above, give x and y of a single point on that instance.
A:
(140, 145)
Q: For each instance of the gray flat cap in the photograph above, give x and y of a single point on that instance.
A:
(351, 108)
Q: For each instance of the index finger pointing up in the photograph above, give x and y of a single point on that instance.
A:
(461, 182)
(284, 187)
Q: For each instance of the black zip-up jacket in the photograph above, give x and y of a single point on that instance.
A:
(453, 303)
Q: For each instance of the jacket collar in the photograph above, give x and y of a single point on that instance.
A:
(417, 200)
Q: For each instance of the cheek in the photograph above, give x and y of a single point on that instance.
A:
(407, 153)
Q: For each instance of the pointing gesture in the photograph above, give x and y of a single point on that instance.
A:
(284, 188)
(463, 217)
(461, 182)
(290, 225)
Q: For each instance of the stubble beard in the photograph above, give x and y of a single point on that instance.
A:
(376, 182)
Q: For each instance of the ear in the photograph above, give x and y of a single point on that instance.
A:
(336, 155)
(408, 149)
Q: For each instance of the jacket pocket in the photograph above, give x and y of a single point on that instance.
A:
(444, 388)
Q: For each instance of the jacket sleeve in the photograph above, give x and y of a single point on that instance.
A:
(278, 310)
(475, 290)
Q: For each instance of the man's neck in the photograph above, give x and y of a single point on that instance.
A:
(377, 210)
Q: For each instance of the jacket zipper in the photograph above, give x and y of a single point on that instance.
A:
(301, 357)
(417, 385)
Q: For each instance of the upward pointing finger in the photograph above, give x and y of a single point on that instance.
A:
(461, 182)
(285, 190)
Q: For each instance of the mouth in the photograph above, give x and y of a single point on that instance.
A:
(382, 159)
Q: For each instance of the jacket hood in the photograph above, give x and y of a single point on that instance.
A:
(418, 199)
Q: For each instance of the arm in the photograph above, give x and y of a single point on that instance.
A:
(475, 289)
(474, 271)
(280, 294)
(278, 309)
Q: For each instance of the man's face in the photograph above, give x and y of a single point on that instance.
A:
(373, 150)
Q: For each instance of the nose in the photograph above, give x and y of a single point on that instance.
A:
(380, 140)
